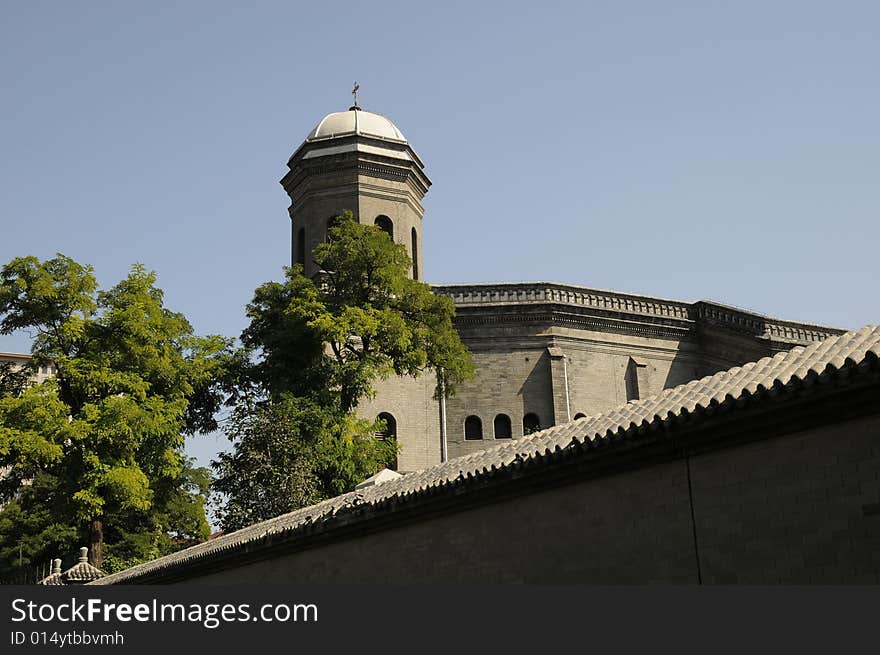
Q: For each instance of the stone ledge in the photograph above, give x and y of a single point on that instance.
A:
(676, 314)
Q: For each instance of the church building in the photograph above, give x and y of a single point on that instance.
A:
(545, 353)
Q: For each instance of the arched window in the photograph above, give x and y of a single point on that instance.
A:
(301, 246)
(473, 428)
(502, 427)
(389, 432)
(579, 415)
(415, 254)
(531, 423)
(384, 223)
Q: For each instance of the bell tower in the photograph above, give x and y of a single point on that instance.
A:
(360, 161)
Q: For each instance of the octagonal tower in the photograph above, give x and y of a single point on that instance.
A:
(360, 161)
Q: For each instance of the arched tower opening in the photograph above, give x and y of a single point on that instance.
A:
(300, 247)
(384, 223)
(415, 255)
(389, 432)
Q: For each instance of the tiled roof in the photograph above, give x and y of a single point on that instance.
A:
(52, 580)
(82, 572)
(852, 350)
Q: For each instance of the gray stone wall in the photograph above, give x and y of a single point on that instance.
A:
(410, 401)
(633, 528)
(597, 367)
(520, 371)
(512, 381)
(397, 201)
(516, 375)
(315, 215)
(798, 510)
(366, 198)
(573, 355)
(794, 509)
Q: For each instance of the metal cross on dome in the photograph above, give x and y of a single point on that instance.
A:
(354, 92)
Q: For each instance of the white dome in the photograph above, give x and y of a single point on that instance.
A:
(355, 121)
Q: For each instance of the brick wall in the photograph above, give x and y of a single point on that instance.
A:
(631, 528)
(515, 377)
(410, 401)
(793, 509)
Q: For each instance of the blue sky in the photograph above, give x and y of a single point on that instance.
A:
(690, 150)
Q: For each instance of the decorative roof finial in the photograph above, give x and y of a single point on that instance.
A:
(354, 92)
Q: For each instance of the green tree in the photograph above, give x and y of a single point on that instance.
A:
(100, 446)
(362, 319)
(291, 453)
(321, 345)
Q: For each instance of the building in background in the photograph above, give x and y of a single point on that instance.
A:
(19, 360)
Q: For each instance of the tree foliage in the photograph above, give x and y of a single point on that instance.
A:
(320, 346)
(100, 446)
(362, 319)
(291, 453)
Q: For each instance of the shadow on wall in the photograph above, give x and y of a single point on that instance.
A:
(715, 354)
(718, 348)
(536, 392)
(684, 368)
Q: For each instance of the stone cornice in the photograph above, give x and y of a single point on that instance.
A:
(388, 166)
(383, 170)
(544, 292)
(468, 317)
(325, 143)
(483, 304)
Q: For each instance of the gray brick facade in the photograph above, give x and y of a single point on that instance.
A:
(558, 365)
